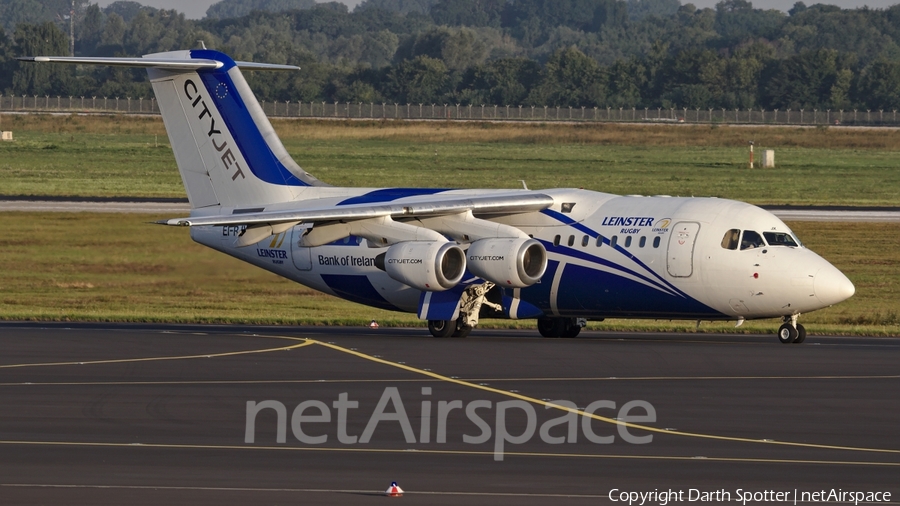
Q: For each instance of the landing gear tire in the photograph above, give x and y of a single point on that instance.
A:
(442, 328)
(787, 333)
(551, 327)
(801, 334)
(572, 330)
(462, 331)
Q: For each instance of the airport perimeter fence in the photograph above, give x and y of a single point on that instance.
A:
(451, 112)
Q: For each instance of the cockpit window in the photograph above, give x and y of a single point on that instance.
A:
(751, 240)
(730, 241)
(780, 239)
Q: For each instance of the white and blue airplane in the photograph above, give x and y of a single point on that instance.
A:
(452, 256)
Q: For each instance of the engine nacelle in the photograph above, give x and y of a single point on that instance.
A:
(513, 263)
(433, 266)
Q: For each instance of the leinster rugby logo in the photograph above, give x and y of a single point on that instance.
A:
(662, 226)
(221, 90)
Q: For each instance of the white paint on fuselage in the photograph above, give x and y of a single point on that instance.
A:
(754, 283)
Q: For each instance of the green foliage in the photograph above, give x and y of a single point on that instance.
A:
(126, 9)
(603, 53)
(640, 9)
(468, 12)
(570, 79)
(507, 82)
(398, 6)
(422, 80)
(881, 83)
(237, 8)
(806, 81)
(738, 21)
(15, 12)
(44, 38)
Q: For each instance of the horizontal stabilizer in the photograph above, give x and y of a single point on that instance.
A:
(157, 63)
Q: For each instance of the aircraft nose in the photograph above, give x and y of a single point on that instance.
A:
(831, 286)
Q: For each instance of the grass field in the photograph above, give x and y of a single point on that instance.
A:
(130, 156)
(99, 267)
(104, 267)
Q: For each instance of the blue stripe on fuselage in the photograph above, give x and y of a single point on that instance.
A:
(357, 288)
(261, 160)
(574, 253)
(594, 234)
(389, 195)
(584, 291)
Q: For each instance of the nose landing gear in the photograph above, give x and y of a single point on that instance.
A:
(791, 331)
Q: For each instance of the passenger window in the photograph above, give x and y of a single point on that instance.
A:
(730, 241)
(556, 241)
(571, 240)
(751, 240)
(614, 241)
(599, 241)
(780, 239)
(656, 242)
(628, 242)
(643, 242)
(584, 240)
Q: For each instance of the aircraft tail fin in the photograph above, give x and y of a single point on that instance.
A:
(227, 152)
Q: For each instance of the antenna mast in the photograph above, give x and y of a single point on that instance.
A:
(72, 30)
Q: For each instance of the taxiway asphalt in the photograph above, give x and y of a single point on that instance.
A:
(145, 414)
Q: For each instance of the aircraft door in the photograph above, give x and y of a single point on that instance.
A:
(301, 255)
(680, 259)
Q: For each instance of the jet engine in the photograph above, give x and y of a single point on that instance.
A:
(513, 262)
(432, 266)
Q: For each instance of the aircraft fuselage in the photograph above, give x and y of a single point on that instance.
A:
(608, 256)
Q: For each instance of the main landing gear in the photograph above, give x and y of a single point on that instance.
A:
(791, 331)
(560, 327)
(470, 304)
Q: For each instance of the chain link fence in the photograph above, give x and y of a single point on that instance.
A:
(50, 104)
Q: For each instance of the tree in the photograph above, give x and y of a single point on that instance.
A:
(737, 21)
(89, 32)
(879, 86)
(126, 9)
(458, 48)
(500, 82)
(422, 80)
(639, 9)
(41, 79)
(237, 8)
(625, 81)
(691, 77)
(803, 81)
(399, 6)
(113, 36)
(797, 8)
(7, 64)
(468, 12)
(14, 12)
(570, 78)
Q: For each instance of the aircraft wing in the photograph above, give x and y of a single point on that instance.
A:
(515, 203)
